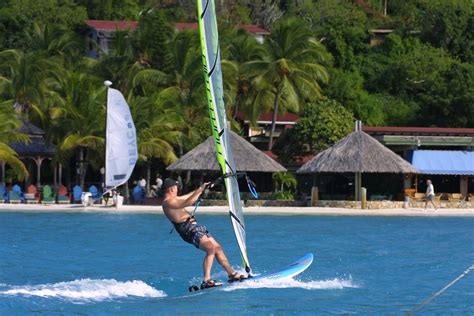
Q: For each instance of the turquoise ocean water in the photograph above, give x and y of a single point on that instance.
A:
(129, 264)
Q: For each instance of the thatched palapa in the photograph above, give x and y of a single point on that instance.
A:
(247, 158)
(37, 146)
(357, 153)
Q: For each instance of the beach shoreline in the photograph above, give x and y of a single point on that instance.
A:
(262, 210)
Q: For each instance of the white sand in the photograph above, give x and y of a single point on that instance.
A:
(247, 210)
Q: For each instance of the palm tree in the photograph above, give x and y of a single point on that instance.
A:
(123, 64)
(284, 180)
(80, 123)
(158, 130)
(8, 123)
(243, 48)
(52, 40)
(184, 90)
(292, 68)
(22, 78)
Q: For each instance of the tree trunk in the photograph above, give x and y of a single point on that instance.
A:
(68, 176)
(148, 177)
(236, 106)
(81, 167)
(126, 196)
(187, 180)
(60, 173)
(274, 118)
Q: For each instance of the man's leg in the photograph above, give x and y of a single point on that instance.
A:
(222, 258)
(207, 245)
(213, 249)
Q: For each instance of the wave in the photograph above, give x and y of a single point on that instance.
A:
(332, 284)
(87, 290)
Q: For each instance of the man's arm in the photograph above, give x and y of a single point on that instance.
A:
(187, 199)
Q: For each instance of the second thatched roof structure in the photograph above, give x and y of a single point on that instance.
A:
(357, 153)
(247, 158)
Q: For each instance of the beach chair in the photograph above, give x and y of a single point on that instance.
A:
(16, 194)
(3, 193)
(63, 195)
(437, 197)
(455, 197)
(76, 194)
(419, 197)
(95, 194)
(48, 195)
(31, 195)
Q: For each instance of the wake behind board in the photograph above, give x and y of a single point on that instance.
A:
(287, 272)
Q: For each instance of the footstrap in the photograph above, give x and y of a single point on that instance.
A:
(207, 284)
(234, 277)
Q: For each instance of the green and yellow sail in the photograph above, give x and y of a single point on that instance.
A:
(217, 113)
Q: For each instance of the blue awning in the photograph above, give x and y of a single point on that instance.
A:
(456, 162)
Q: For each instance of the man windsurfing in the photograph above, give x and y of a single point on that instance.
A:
(190, 231)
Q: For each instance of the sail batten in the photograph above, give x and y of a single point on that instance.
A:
(217, 113)
(121, 152)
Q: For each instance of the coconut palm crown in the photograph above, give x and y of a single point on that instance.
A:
(291, 69)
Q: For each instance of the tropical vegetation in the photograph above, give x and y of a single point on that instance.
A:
(317, 62)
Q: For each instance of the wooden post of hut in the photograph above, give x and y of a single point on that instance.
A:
(463, 186)
(363, 198)
(358, 175)
(314, 195)
(358, 186)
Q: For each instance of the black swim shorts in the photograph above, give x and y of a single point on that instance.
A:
(191, 231)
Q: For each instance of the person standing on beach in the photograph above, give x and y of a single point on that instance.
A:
(156, 188)
(430, 194)
(190, 231)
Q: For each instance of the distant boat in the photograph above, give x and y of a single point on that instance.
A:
(121, 151)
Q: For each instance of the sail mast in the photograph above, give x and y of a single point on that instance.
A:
(105, 189)
(217, 113)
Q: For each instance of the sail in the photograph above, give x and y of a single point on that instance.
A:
(217, 113)
(121, 141)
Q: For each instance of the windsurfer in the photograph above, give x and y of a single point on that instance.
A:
(194, 233)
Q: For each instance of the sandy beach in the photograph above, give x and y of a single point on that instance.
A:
(247, 210)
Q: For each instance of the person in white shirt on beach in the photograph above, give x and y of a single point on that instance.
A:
(430, 194)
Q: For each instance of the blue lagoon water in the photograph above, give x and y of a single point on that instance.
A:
(129, 264)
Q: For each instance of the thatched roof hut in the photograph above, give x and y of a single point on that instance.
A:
(358, 152)
(37, 149)
(247, 158)
(37, 146)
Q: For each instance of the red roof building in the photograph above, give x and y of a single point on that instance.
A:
(101, 31)
(259, 135)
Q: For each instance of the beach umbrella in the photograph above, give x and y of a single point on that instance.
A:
(357, 153)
